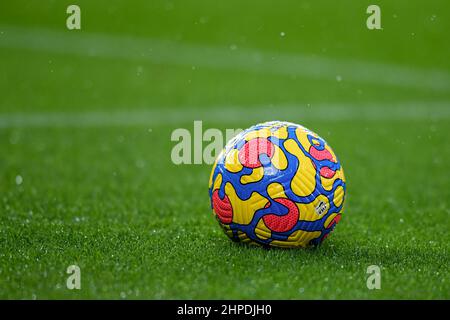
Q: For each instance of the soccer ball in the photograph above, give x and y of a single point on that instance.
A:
(277, 184)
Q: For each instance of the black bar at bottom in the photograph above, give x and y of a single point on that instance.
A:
(224, 309)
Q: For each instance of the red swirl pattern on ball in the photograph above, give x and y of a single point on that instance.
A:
(334, 221)
(332, 225)
(323, 155)
(285, 222)
(222, 208)
(252, 149)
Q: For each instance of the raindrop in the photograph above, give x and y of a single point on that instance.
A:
(19, 180)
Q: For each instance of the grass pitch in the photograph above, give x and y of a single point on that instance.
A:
(85, 171)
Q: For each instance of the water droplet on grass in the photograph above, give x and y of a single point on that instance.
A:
(19, 180)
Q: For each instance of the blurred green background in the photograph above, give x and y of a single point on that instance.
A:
(86, 118)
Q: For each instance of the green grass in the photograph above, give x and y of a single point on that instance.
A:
(106, 196)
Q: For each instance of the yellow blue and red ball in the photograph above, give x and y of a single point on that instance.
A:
(277, 184)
